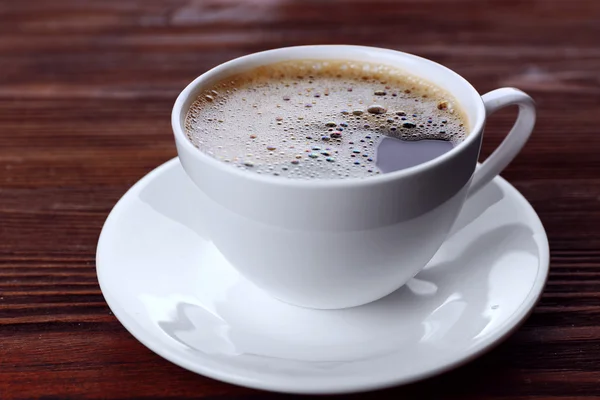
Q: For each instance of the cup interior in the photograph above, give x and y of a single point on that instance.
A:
(468, 98)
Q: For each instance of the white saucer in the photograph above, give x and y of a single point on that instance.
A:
(171, 288)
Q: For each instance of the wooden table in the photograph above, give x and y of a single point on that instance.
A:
(86, 89)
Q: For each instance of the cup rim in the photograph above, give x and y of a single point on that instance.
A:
(180, 136)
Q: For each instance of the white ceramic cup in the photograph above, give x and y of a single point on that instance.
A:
(342, 243)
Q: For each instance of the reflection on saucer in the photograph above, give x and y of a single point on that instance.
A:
(443, 305)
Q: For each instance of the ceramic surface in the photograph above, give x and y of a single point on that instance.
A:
(168, 284)
(336, 243)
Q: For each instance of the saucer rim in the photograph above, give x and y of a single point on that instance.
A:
(501, 333)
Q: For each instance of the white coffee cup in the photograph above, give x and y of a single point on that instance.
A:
(342, 243)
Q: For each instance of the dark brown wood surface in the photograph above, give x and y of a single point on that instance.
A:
(86, 89)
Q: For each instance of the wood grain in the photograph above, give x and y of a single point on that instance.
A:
(86, 88)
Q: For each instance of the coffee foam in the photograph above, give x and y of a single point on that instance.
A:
(318, 119)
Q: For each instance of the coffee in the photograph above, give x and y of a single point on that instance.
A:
(316, 119)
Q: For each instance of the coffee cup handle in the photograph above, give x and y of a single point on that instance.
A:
(514, 141)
